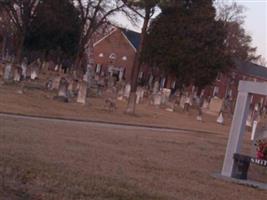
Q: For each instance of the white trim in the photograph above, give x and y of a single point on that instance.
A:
(103, 38)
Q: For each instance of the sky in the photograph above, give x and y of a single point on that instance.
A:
(255, 23)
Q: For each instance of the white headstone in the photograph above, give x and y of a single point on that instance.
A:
(7, 72)
(156, 87)
(82, 93)
(17, 75)
(63, 88)
(220, 119)
(199, 118)
(70, 89)
(254, 127)
(24, 70)
(156, 99)
(55, 83)
(127, 91)
(34, 74)
(182, 101)
(138, 96)
(165, 95)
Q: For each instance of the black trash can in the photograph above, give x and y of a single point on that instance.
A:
(241, 166)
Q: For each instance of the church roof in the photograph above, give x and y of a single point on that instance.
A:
(251, 69)
(133, 37)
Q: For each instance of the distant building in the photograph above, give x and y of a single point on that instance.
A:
(115, 52)
(226, 85)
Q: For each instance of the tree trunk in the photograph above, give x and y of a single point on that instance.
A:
(136, 66)
(4, 45)
(78, 64)
(19, 49)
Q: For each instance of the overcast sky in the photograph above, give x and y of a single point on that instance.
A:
(255, 23)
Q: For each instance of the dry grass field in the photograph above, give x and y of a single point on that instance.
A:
(56, 160)
(48, 160)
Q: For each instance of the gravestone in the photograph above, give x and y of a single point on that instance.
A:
(150, 82)
(75, 87)
(17, 74)
(63, 88)
(70, 89)
(55, 83)
(111, 82)
(215, 105)
(24, 69)
(120, 88)
(157, 99)
(62, 92)
(49, 84)
(156, 87)
(110, 99)
(139, 95)
(261, 132)
(34, 74)
(182, 101)
(82, 93)
(8, 72)
(220, 119)
(165, 95)
(205, 104)
(127, 91)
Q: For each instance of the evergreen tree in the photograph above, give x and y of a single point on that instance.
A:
(55, 27)
(20, 14)
(186, 40)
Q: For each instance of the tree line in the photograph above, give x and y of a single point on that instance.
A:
(192, 39)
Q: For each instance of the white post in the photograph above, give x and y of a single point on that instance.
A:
(236, 132)
(254, 127)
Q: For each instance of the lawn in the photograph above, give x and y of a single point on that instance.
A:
(43, 160)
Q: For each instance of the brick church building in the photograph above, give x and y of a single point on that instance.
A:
(114, 53)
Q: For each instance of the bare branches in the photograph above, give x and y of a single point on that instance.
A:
(94, 14)
(20, 12)
(238, 42)
(230, 12)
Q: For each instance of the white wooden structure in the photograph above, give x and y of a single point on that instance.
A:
(245, 90)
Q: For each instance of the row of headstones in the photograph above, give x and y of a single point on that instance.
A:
(23, 71)
(13, 72)
(158, 97)
(68, 88)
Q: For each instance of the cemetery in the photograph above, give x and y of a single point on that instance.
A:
(57, 95)
(92, 108)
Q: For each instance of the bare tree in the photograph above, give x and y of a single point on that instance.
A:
(20, 13)
(262, 61)
(144, 9)
(230, 12)
(4, 29)
(94, 14)
(238, 42)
